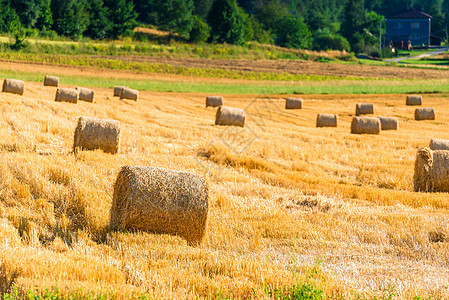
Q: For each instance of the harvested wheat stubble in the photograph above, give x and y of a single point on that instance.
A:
(66, 95)
(92, 133)
(128, 93)
(413, 100)
(118, 90)
(51, 81)
(437, 144)
(230, 116)
(424, 113)
(431, 171)
(13, 86)
(389, 123)
(214, 101)
(364, 109)
(160, 200)
(293, 103)
(85, 94)
(326, 120)
(365, 125)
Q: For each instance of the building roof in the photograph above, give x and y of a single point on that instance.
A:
(411, 13)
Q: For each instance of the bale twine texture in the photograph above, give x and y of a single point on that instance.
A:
(118, 90)
(437, 144)
(424, 113)
(85, 94)
(160, 200)
(128, 93)
(51, 81)
(431, 171)
(326, 120)
(13, 86)
(365, 125)
(91, 134)
(389, 123)
(66, 95)
(293, 103)
(413, 100)
(214, 101)
(230, 116)
(364, 109)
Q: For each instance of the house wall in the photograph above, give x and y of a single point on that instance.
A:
(419, 34)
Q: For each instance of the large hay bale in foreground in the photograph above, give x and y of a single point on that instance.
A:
(160, 200)
(92, 133)
(230, 116)
(326, 120)
(424, 113)
(365, 125)
(413, 100)
(13, 86)
(66, 95)
(437, 144)
(85, 94)
(293, 103)
(364, 109)
(214, 101)
(118, 90)
(51, 81)
(431, 171)
(128, 93)
(389, 123)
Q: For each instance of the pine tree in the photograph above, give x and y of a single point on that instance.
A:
(99, 25)
(353, 20)
(226, 22)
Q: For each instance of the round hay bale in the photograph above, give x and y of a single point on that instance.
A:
(365, 125)
(437, 144)
(326, 120)
(293, 103)
(214, 101)
(128, 93)
(51, 81)
(92, 133)
(364, 109)
(160, 200)
(413, 100)
(230, 116)
(13, 86)
(424, 113)
(389, 123)
(431, 171)
(118, 90)
(85, 94)
(66, 95)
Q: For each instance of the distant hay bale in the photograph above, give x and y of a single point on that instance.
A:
(437, 144)
(51, 81)
(293, 103)
(66, 95)
(160, 200)
(365, 125)
(364, 109)
(230, 116)
(85, 94)
(424, 113)
(326, 120)
(128, 93)
(413, 100)
(92, 133)
(214, 101)
(118, 90)
(431, 171)
(13, 86)
(389, 123)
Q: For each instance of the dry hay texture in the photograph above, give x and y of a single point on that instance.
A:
(364, 109)
(424, 113)
(389, 123)
(414, 100)
(128, 93)
(91, 134)
(214, 101)
(293, 103)
(160, 200)
(431, 171)
(66, 95)
(51, 81)
(118, 90)
(365, 125)
(85, 94)
(438, 144)
(230, 116)
(326, 120)
(13, 86)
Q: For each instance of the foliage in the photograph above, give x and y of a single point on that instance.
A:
(325, 40)
(200, 30)
(174, 15)
(292, 32)
(122, 16)
(227, 22)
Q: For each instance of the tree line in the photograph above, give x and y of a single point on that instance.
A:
(306, 24)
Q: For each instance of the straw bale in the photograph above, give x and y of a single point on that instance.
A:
(365, 125)
(118, 90)
(431, 171)
(414, 100)
(66, 95)
(437, 144)
(230, 116)
(214, 101)
(85, 94)
(326, 120)
(364, 109)
(293, 103)
(424, 113)
(13, 86)
(51, 81)
(92, 133)
(389, 123)
(128, 93)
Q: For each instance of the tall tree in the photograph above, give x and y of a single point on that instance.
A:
(28, 11)
(70, 17)
(174, 16)
(269, 12)
(45, 20)
(292, 32)
(202, 7)
(122, 16)
(353, 21)
(227, 22)
(99, 25)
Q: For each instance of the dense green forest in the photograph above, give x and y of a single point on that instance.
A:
(305, 24)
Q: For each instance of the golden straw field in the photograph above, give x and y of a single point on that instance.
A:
(288, 202)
